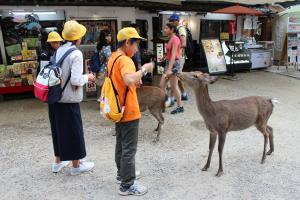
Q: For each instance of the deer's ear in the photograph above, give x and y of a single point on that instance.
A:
(213, 79)
(210, 79)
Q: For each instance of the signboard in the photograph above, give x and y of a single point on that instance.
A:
(159, 56)
(90, 86)
(214, 55)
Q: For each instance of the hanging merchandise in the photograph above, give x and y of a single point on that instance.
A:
(21, 39)
(250, 22)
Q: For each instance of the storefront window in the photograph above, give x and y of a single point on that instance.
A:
(94, 28)
(211, 29)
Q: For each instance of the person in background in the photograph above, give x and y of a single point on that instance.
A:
(54, 41)
(172, 66)
(65, 116)
(137, 58)
(182, 34)
(124, 75)
(104, 47)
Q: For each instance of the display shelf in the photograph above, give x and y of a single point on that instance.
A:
(16, 89)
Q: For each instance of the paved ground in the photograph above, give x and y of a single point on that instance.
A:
(172, 167)
(290, 71)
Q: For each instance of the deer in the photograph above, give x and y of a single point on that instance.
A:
(152, 98)
(223, 116)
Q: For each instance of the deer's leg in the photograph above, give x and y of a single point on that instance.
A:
(265, 147)
(157, 128)
(158, 116)
(212, 142)
(270, 131)
(160, 123)
(263, 130)
(222, 138)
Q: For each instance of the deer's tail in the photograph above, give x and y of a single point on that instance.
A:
(163, 105)
(274, 101)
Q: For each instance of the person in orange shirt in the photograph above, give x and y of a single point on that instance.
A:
(124, 74)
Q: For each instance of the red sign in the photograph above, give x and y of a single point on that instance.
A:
(90, 86)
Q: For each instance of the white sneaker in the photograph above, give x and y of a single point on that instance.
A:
(136, 190)
(83, 167)
(137, 176)
(56, 167)
(168, 102)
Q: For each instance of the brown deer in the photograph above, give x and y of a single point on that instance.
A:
(223, 116)
(153, 99)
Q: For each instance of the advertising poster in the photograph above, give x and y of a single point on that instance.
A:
(90, 86)
(214, 55)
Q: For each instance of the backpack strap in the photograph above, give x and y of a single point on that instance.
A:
(65, 85)
(116, 92)
(68, 52)
(109, 74)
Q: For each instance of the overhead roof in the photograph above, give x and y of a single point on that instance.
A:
(151, 5)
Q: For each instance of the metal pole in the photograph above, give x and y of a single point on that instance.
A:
(2, 47)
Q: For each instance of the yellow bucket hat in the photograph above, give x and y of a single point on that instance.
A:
(128, 33)
(54, 37)
(73, 30)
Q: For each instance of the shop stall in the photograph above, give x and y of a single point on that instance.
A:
(24, 35)
(291, 49)
(261, 52)
(240, 57)
(287, 37)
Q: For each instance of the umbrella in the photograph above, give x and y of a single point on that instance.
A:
(291, 10)
(238, 10)
(255, 2)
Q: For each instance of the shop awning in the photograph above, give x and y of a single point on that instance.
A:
(291, 10)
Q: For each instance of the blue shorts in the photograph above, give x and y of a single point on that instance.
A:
(175, 68)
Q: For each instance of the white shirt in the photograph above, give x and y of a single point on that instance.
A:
(73, 64)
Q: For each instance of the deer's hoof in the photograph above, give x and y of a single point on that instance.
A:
(263, 161)
(155, 140)
(155, 130)
(269, 152)
(204, 168)
(220, 173)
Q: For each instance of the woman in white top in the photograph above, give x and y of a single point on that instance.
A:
(65, 116)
